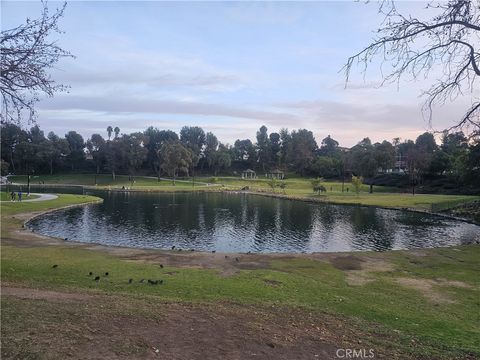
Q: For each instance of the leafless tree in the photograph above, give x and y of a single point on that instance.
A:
(445, 47)
(27, 53)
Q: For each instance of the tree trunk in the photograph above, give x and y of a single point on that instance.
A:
(51, 167)
(12, 162)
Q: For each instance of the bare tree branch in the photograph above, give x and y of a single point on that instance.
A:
(26, 56)
(445, 47)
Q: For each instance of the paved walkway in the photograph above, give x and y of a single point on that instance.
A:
(41, 197)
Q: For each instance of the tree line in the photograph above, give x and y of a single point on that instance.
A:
(194, 151)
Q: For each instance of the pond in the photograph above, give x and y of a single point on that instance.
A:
(229, 222)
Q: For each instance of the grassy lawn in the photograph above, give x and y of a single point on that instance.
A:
(428, 298)
(295, 187)
(103, 180)
(419, 201)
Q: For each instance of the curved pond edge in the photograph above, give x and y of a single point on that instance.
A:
(33, 215)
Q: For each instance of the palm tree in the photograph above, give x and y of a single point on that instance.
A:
(116, 131)
(109, 132)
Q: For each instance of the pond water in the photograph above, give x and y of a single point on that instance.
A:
(240, 223)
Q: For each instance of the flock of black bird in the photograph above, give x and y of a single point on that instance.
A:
(130, 281)
(149, 281)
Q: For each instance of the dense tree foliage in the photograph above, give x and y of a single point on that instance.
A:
(164, 153)
(175, 158)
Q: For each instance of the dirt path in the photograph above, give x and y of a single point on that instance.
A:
(57, 325)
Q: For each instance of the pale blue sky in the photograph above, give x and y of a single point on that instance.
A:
(228, 67)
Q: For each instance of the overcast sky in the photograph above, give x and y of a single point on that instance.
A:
(228, 67)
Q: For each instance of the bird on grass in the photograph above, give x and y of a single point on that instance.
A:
(155, 282)
(97, 278)
(106, 274)
(236, 259)
(130, 281)
(192, 249)
(213, 251)
(90, 273)
(54, 266)
(226, 256)
(65, 239)
(161, 266)
(173, 247)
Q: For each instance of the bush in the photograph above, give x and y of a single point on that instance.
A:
(317, 185)
(357, 182)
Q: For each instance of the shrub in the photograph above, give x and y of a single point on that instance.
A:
(357, 182)
(317, 185)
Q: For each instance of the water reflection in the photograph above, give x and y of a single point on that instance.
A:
(240, 223)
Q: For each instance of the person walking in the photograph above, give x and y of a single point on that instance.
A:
(20, 196)
(13, 196)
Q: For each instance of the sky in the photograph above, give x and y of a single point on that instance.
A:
(229, 67)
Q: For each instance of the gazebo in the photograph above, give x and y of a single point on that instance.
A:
(275, 174)
(249, 174)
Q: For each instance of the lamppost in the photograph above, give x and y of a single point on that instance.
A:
(28, 184)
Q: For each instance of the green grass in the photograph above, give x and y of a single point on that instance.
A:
(314, 285)
(299, 188)
(103, 180)
(295, 185)
(382, 196)
(419, 201)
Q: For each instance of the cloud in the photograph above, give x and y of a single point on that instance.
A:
(122, 104)
(88, 122)
(203, 81)
(350, 122)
